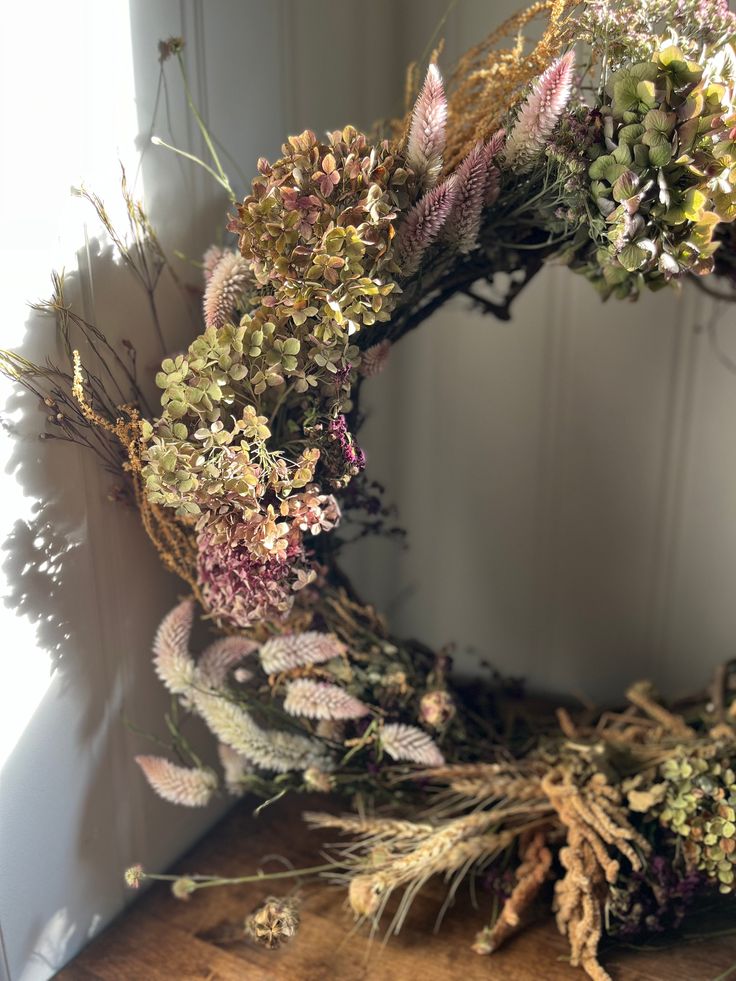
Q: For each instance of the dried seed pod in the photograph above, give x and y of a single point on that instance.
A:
(273, 923)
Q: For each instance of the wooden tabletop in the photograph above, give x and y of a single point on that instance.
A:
(161, 938)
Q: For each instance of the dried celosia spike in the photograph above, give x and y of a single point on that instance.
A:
(373, 359)
(403, 742)
(541, 110)
(221, 656)
(235, 768)
(210, 260)
(423, 224)
(269, 749)
(273, 923)
(320, 700)
(493, 180)
(427, 132)
(225, 288)
(290, 651)
(173, 662)
(463, 223)
(496, 144)
(188, 786)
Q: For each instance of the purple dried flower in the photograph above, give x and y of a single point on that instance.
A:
(427, 132)
(423, 224)
(654, 900)
(343, 458)
(540, 112)
(239, 588)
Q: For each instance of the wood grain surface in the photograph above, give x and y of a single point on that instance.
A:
(161, 938)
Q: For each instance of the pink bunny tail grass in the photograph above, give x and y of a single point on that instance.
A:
(463, 223)
(373, 359)
(189, 787)
(427, 132)
(408, 743)
(268, 749)
(291, 651)
(319, 700)
(541, 111)
(423, 224)
(171, 658)
(210, 260)
(221, 656)
(225, 288)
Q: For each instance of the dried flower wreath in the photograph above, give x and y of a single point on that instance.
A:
(618, 159)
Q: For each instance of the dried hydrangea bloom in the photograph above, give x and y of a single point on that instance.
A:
(662, 177)
(317, 227)
(241, 589)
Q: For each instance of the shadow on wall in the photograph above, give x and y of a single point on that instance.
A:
(82, 571)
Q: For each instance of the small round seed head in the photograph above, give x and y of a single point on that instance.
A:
(436, 708)
(273, 923)
(134, 876)
(183, 887)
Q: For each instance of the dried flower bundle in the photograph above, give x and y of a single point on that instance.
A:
(251, 480)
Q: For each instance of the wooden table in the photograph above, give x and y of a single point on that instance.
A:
(161, 938)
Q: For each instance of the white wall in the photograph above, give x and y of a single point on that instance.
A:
(579, 533)
(581, 530)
